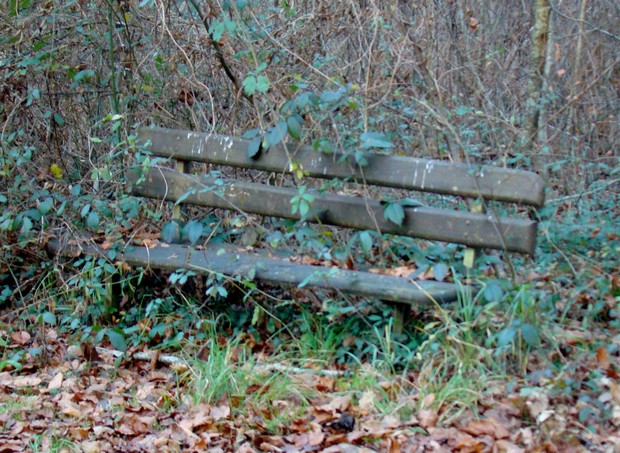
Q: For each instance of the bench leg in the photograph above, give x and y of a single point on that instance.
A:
(400, 315)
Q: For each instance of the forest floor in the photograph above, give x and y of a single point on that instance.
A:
(76, 397)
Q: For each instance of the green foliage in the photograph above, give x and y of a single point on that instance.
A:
(70, 101)
(394, 212)
(375, 140)
(220, 26)
(171, 233)
(302, 202)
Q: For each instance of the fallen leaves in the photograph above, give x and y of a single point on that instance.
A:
(20, 338)
(69, 409)
(139, 406)
(428, 418)
(487, 426)
(25, 382)
(56, 382)
(602, 357)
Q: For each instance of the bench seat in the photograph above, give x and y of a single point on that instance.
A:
(239, 263)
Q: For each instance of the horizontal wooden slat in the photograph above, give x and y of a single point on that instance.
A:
(234, 262)
(471, 229)
(492, 183)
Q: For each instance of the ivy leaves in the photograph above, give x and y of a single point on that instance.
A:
(394, 211)
(174, 232)
(301, 202)
(291, 126)
(375, 140)
(256, 82)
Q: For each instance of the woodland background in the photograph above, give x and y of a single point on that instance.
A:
(530, 363)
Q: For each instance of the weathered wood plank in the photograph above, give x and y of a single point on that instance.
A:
(471, 229)
(492, 183)
(236, 263)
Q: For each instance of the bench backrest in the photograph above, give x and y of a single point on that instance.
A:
(483, 230)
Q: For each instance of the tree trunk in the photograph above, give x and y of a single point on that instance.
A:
(540, 36)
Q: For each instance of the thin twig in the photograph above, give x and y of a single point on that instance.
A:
(587, 192)
(219, 53)
(168, 359)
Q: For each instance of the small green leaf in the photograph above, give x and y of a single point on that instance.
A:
(92, 221)
(249, 85)
(493, 292)
(75, 190)
(323, 145)
(117, 339)
(304, 207)
(85, 74)
(411, 203)
(375, 140)
(59, 119)
(49, 318)
(192, 231)
(184, 196)
(276, 134)
(217, 29)
(294, 126)
(171, 232)
(366, 241)
(26, 226)
(258, 315)
(331, 96)
(262, 84)
(462, 110)
(530, 335)
(506, 337)
(306, 100)
(360, 158)
(395, 213)
(253, 150)
(440, 270)
(295, 204)
(45, 206)
(306, 280)
(251, 133)
(585, 414)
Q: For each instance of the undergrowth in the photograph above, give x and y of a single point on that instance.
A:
(76, 84)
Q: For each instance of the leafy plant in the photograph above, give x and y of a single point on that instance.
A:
(302, 202)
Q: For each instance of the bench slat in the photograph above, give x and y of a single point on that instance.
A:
(235, 262)
(471, 229)
(492, 183)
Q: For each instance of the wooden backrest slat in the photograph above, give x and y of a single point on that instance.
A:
(471, 229)
(490, 183)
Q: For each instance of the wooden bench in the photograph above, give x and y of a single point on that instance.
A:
(475, 230)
